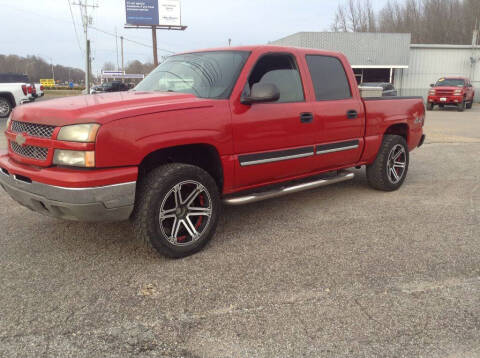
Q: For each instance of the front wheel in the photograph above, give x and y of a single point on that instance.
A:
(177, 209)
(470, 104)
(461, 106)
(389, 170)
(429, 106)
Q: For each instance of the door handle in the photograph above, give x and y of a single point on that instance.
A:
(352, 114)
(306, 117)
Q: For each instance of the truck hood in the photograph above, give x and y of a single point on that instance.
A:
(105, 107)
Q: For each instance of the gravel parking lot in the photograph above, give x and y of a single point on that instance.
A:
(341, 271)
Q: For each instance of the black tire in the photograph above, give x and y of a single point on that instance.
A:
(379, 173)
(429, 106)
(5, 107)
(441, 106)
(155, 191)
(470, 104)
(461, 106)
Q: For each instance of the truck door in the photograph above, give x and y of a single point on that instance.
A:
(339, 113)
(274, 140)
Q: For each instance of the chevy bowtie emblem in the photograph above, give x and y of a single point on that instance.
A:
(20, 139)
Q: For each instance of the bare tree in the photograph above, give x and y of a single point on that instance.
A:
(108, 66)
(355, 16)
(429, 21)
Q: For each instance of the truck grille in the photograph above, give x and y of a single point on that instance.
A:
(33, 129)
(29, 151)
(443, 92)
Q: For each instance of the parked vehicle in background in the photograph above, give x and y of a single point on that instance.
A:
(15, 89)
(451, 91)
(238, 125)
(387, 88)
(40, 90)
(115, 86)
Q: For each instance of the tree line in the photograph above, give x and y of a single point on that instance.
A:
(36, 68)
(429, 21)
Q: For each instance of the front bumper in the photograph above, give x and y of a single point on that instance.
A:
(97, 195)
(448, 99)
(105, 203)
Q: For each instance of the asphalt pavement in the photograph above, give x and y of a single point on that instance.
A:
(340, 271)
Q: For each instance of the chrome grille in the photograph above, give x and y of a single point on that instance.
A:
(29, 151)
(33, 129)
(443, 92)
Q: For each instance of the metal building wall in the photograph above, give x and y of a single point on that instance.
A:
(361, 48)
(430, 62)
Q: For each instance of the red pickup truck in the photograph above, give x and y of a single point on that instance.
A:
(451, 91)
(232, 125)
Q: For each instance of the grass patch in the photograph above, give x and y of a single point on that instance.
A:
(62, 93)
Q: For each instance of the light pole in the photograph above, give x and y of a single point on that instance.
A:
(53, 71)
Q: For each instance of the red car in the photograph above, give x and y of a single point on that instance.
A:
(451, 91)
(231, 125)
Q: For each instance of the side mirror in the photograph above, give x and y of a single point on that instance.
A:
(261, 93)
(432, 85)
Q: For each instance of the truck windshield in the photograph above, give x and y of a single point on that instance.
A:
(444, 82)
(204, 74)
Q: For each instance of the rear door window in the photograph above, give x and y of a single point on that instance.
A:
(328, 77)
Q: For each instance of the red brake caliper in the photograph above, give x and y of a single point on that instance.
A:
(200, 218)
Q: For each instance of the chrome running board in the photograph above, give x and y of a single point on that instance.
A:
(284, 190)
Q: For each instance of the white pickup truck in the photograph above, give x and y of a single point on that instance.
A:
(15, 89)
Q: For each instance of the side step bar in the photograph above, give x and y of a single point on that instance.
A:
(254, 197)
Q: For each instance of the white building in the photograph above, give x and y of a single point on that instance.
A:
(390, 57)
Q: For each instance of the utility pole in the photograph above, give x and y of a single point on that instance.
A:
(116, 47)
(123, 65)
(154, 39)
(53, 71)
(89, 65)
(86, 20)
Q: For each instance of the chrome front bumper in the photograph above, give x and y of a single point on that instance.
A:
(105, 203)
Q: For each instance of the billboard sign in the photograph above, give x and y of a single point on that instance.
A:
(142, 12)
(153, 12)
(169, 13)
(47, 82)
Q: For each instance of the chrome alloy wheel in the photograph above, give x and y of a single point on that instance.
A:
(4, 107)
(396, 163)
(185, 213)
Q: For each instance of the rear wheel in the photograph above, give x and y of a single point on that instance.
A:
(177, 209)
(5, 107)
(389, 170)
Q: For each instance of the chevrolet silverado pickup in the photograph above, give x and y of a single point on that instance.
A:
(451, 91)
(223, 126)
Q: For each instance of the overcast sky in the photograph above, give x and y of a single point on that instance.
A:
(45, 28)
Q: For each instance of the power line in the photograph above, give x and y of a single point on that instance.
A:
(129, 40)
(75, 26)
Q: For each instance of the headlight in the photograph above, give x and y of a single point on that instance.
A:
(431, 92)
(79, 133)
(74, 158)
(458, 91)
